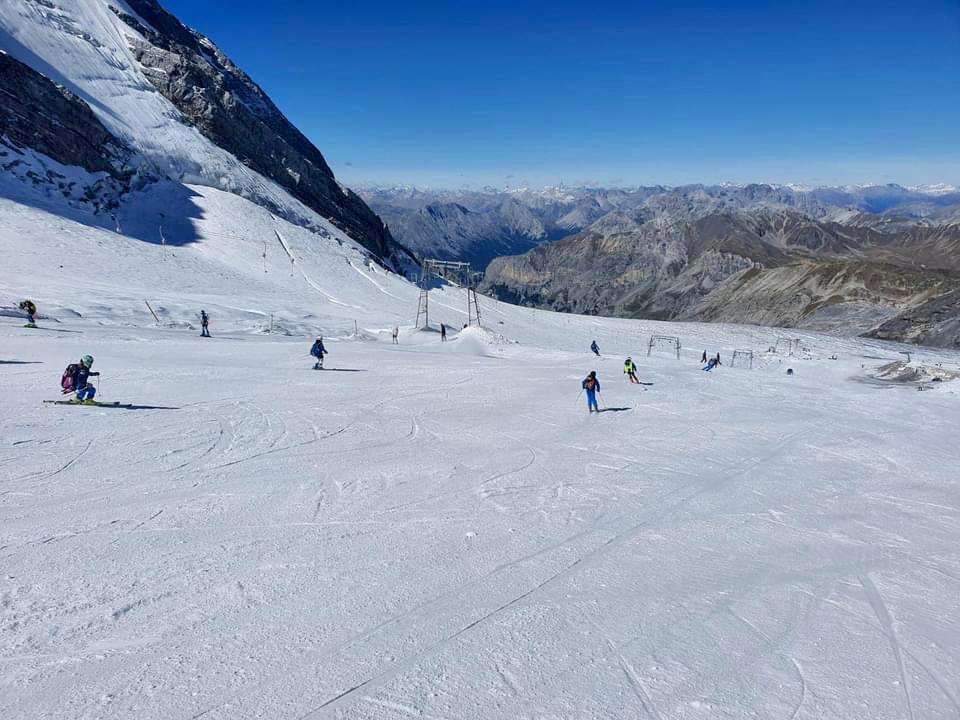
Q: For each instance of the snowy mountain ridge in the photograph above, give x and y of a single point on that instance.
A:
(176, 101)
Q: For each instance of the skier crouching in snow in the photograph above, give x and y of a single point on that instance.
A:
(75, 379)
(595, 348)
(592, 386)
(318, 351)
(630, 370)
(711, 365)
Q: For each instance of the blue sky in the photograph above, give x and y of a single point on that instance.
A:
(533, 93)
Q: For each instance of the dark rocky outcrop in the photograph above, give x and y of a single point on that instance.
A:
(38, 114)
(763, 267)
(44, 117)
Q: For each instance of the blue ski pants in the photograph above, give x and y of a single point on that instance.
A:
(592, 400)
(86, 393)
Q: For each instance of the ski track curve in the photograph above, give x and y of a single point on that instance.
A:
(886, 623)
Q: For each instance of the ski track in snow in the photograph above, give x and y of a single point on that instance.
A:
(886, 622)
(448, 533)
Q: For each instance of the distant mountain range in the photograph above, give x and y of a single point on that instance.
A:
(879, 260)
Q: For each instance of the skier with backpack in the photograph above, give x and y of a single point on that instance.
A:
(595, 348)
(31, 310)
(204, 324)
(630, 370)
(75, 380)
(591, 385)
(318, 351)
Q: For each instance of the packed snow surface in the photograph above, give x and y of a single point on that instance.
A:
(441, 530)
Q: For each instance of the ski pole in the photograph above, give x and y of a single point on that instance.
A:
(579, 394)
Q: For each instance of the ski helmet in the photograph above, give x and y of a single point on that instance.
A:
(86, 360)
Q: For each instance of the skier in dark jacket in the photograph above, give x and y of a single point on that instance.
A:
(204, 324)
(711, 365)
(595, 348)
(703, 360)
(443, 332)
(31, 310)
(592, 386)
(318, 351)
(81, 374)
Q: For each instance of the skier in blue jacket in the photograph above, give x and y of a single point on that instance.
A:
(595, 348)
(318, 351)
(592, 386)
(81, 372)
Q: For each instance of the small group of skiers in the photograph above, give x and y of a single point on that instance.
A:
(711, 363)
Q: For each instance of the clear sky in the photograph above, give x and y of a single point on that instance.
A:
(516, 92)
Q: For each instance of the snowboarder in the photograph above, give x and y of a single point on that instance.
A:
(396, 334)
(318, 351)
(75, 380)
(711, 365)
(443, 332)
(703, 360)
(204, 324)
(595, 348)
(630, 370)
(31, 310)
(592, 386)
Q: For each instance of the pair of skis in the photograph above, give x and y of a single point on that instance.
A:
(95, 403)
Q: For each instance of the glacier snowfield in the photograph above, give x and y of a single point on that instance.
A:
(441, 530)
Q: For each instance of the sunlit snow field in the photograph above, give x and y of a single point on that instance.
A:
(441, 530)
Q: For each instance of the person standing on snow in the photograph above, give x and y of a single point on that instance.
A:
(592, 386)
(595, 348)
(318, 351)
(75, 379)
(396, 334)
(204, 324)
(717, 358)
(703, 360)
(443, 332)
(630, 370)
(31, 310)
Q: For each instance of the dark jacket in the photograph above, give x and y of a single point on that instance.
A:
(318, 350)
(80, 376)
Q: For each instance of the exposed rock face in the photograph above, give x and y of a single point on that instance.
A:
(935, 322)
(451, 231)
(36, 113)
(232, 111)
(763, 267)
(37, 116)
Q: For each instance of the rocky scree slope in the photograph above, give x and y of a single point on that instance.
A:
(769, 267)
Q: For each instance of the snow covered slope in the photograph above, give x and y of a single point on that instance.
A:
(190, 114)
(440, 529)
